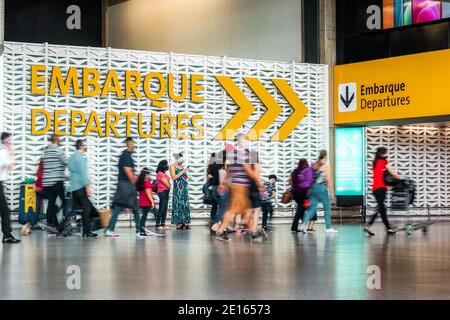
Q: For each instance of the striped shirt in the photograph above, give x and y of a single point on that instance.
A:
(238, 174)
(269, 189)
(55, 163)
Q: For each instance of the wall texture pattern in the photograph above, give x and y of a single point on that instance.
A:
(310, 82)
(419, 152)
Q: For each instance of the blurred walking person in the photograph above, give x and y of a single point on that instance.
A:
(251, 216)
(220, 193)
(80, 185)
(54, 162)
(379, 188)
(301, 180)
(320, 193)
(242, 175)
(126, 194)
(6, 166)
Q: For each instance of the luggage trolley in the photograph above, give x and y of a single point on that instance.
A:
(402, 197)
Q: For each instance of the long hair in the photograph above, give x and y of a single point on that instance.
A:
(141, 179)
(322, 155)
(162, 166)
(378, 153)
(302, 164)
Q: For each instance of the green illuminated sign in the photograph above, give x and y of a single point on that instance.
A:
(349, 161)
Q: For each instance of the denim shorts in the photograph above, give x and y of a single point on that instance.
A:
(255, 199)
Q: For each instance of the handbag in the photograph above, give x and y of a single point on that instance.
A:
(287, 196)
(389, 180)
(307, 201)
(207, 194)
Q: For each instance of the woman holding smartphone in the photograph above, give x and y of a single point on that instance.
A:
(181, 212)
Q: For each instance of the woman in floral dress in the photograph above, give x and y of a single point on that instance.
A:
(181, 213)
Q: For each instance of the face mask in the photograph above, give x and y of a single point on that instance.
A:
(272, 181)
(180, 161)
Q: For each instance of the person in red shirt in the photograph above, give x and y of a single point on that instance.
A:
(163, 189)
(146, 200)
(379, 188)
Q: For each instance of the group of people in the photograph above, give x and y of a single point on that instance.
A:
(137, 193)
(239, 193)
(234, 189)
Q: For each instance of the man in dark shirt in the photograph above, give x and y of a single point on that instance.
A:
(126, 194)
(213, 182)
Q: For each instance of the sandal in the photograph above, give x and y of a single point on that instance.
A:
(179, 227)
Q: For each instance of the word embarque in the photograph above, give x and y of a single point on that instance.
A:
(129, 84)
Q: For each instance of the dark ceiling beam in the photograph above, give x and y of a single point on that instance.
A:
(114, 2)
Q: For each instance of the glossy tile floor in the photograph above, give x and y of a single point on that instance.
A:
(189, 265)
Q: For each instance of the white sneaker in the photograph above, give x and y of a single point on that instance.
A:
(151, 233)
(148, 232)
(331, 230)
(304, 229)
(109, 233)
(141, 235)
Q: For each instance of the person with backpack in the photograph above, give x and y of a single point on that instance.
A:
(301, 180)
(163, 189)
(146, 200)
(6, 166)
(320, 194)
(379, 188)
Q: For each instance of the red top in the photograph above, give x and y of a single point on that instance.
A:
(161, 186)
(144, 201)
(378, 174)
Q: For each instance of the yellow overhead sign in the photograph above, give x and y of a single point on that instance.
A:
(407, 87)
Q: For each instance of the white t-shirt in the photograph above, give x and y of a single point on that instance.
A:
(5, 162)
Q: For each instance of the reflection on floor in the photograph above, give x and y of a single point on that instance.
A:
(189, 265)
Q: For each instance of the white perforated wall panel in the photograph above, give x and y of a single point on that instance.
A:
(310, 82)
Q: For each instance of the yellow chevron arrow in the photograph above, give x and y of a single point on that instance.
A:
(299, 107)
(245, 111)
(273, 109)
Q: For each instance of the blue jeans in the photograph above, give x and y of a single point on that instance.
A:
(115, 215)
(145, 211)
(319, 194)
(222, 201)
